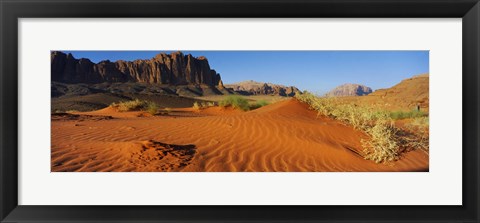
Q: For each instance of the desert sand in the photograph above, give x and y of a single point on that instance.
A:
(284, 136)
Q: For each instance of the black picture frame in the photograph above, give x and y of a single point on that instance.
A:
(11, 11)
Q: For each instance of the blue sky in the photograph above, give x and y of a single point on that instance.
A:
(315, 71)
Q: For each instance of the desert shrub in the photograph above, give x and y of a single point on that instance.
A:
(236, 102)
(420, 140)
(196, 106)
(133, 105)
(407, 114)
(152, 108)
(136, 105)
(420, 122)
(382, 145)
(204, 104)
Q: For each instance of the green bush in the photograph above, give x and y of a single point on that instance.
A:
(258, 104)
(262, 103)
(236, 102)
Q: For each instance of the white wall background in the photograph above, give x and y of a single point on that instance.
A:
(442, 185)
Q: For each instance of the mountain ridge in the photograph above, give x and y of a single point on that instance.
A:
(174, 69)
(262, 88)
(349, 89)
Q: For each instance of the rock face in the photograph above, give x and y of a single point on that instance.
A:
(259, 88)
(349, 90)
(172, 69)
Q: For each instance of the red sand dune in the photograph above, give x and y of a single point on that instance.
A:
(285, 136)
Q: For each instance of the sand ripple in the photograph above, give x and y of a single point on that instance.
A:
(285, 136)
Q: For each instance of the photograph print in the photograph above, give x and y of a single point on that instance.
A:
(239, 111)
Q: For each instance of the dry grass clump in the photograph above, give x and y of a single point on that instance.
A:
(385, 140)
(197, 106)
(407, 114)
(420, 122)
(152, 108)
(235, 101)
(136, 105)
(382, 145)
(133, 105)
(420, 140)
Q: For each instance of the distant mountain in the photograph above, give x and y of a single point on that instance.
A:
(408, 93)
(349, 90)
(173, 74)
(172, 69)
(260, 88)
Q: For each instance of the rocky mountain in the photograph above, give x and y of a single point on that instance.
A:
(349, 90)
(172, 69)
(260, 88)
(165, 74)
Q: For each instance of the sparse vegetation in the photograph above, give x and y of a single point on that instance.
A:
(407, 114)
(382, 145)
(422, 122)
(384, 142)
(133, 105)
(236, 102)
(196, 106)
(201, 105)
(136, 105)
(258, 104)
(261, 103)
(420, 126)
(152, 108)
(251, 98)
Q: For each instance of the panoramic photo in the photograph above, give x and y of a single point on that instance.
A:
(239, 111)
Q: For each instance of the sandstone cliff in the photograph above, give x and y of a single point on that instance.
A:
(172, 69)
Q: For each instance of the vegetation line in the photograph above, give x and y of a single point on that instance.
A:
(136, 105)
(386, 141)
